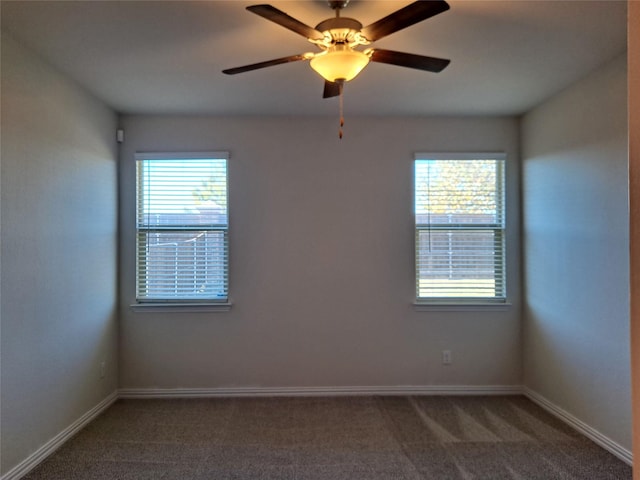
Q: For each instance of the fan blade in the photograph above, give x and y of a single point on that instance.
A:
(331, 89)
(405, 17)
(268, 63)
(420, 62)
(286, 21)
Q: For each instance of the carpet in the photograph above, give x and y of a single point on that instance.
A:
(329, 438)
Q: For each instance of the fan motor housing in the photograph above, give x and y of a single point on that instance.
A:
(341, 29)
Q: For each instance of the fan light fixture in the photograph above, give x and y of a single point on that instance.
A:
(339, 63)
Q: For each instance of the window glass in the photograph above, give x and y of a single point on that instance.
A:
(460, 227)
(182, 227)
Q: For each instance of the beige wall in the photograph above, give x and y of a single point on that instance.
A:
(634, 164)
(576, 262)
(321, 272)
(58, 225)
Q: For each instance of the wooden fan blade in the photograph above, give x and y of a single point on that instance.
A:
(286, 21)
(420, 62)
(331, 89)
(405, 17)
(268, 63)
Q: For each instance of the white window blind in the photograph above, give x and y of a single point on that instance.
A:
(460, 227)
(182, 227)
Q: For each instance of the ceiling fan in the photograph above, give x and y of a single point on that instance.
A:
(339, 59)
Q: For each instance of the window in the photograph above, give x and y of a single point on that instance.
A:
(182, 227)
(460, 228)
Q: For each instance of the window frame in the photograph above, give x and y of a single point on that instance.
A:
(464, 302)
(177, 304)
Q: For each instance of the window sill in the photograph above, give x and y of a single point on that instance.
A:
(180, 307)
(460, 306)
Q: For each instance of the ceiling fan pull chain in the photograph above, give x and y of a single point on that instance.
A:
(341, 110)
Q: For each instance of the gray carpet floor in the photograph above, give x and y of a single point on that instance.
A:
(373, 438)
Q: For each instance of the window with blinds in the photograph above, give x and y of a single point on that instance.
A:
(182, 249)
(460, 228)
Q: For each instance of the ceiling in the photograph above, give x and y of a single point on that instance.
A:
(166, 57)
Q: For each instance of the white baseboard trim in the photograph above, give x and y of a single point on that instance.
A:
(56, 442)
(320, 391)
(588, 431)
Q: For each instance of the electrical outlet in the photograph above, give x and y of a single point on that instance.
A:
(446, 357)
(103, 369)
